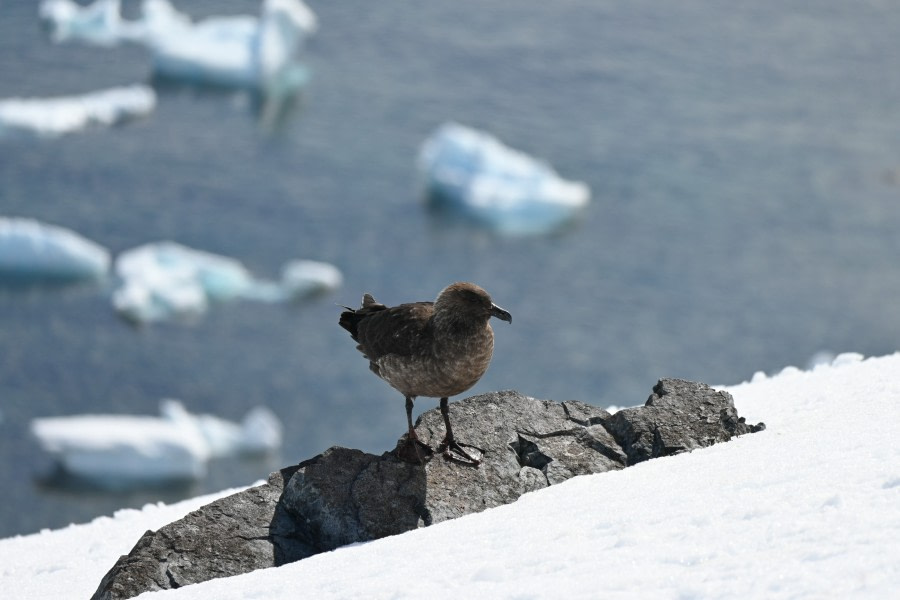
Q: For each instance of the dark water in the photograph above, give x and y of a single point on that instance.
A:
(743, 162)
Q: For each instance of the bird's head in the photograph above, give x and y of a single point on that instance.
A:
(468, 301)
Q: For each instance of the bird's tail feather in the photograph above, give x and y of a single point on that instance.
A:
(351, 317)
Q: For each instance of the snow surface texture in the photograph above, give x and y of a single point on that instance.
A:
(809, 508)
(164, 280)
(120, 451)
(238, 51)
(52, 117)
(470, 172)
(33, 250)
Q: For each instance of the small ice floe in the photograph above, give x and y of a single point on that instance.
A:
(165, 280)
(52, 117)
(97, 23)
(34, 251)
(125, 451)
(303, 278)
(245, 51)
(471, 173)
(240, 51)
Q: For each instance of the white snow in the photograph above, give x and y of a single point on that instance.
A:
(472, 173)
(164, 280)
(808, 508)
(52, 117)
(124, 451)
(245, 51)
(67, 563)
(30, 249)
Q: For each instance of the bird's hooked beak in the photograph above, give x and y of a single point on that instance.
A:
(501, 314)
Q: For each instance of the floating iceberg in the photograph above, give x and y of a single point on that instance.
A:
(302, 278)
(165, 279)
(51, 117)
(243, 51)
(240, 51)
(473, 174)
(121, 451)
(31, 250)
(98, 23)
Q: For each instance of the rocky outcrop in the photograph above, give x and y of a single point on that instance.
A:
(240, 533)
(679, 416)
(343, 496)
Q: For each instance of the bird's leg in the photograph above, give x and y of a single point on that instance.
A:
(412, 440)
(450, 442)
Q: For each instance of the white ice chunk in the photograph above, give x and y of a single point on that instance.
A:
(30, 249)
(50, 117)
(259, 432)
(472, 173)
(158, 18)
(163, 280)
(97, 23)
(246, 51)
(301, 278)
(120, 451)
(240, 51)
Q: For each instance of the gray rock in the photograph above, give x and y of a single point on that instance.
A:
(343, 496)
(236, 534)
(679, 416)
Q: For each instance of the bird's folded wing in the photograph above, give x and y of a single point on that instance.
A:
(402, 330)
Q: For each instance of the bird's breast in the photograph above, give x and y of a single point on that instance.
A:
(454, 365)
(462, 361)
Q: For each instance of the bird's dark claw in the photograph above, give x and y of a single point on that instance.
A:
(449, 446)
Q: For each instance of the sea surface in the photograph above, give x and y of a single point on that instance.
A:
(744, 163)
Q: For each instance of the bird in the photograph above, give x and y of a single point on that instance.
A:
(433, 349)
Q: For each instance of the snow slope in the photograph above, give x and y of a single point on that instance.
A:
(809, 508)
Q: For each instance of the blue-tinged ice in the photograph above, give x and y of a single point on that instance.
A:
(97, 23)
(241, 51)
(302, 278)
(165, 280)
(245, 51)
(32, 250)
(52, 117)
(471, 173)
(124, 451)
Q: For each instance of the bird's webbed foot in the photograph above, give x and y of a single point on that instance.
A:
(454, 451)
